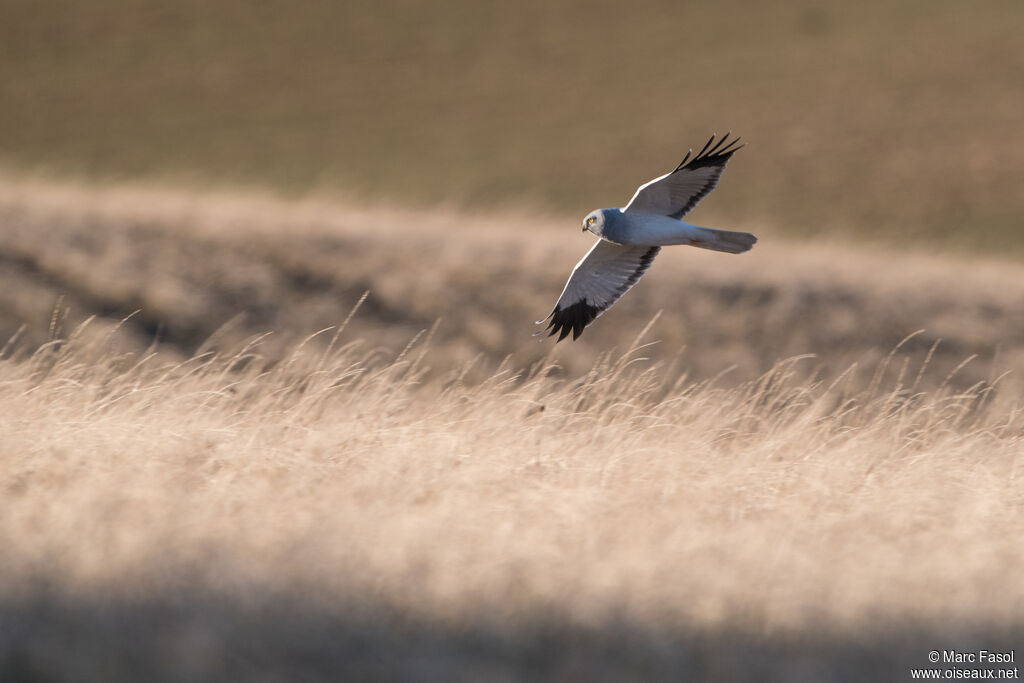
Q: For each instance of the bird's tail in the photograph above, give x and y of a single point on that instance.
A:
(723, 240)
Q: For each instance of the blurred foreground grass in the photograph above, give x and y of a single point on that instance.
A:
(343, 515)
(880, 120)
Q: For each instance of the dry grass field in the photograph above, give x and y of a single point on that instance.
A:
(271, 407)
(186, 499)
(188, 270)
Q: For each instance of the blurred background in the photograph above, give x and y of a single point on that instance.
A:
(874, 131)
(872, 120)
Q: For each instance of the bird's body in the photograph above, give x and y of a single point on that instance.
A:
(630, 238)
(620, 227)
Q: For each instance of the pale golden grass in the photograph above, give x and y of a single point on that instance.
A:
(248, 504)
(780, 504)
(187, 262)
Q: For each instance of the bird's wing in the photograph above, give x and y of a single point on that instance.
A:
(675, 193)
(598, 280)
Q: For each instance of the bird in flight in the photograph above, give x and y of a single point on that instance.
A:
(630, 238)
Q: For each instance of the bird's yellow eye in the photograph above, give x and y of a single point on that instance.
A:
(590, 221)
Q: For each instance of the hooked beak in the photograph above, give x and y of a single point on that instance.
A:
(584, 228)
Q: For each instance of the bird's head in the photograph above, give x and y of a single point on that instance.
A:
(595, 222)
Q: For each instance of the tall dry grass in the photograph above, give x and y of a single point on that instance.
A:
(339, 512)
(186, 267)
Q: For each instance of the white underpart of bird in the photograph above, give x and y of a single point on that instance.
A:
(630, 238)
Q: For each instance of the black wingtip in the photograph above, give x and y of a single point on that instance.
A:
(711, 152)
(571, 319)
(685, 159)
(705, 148)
